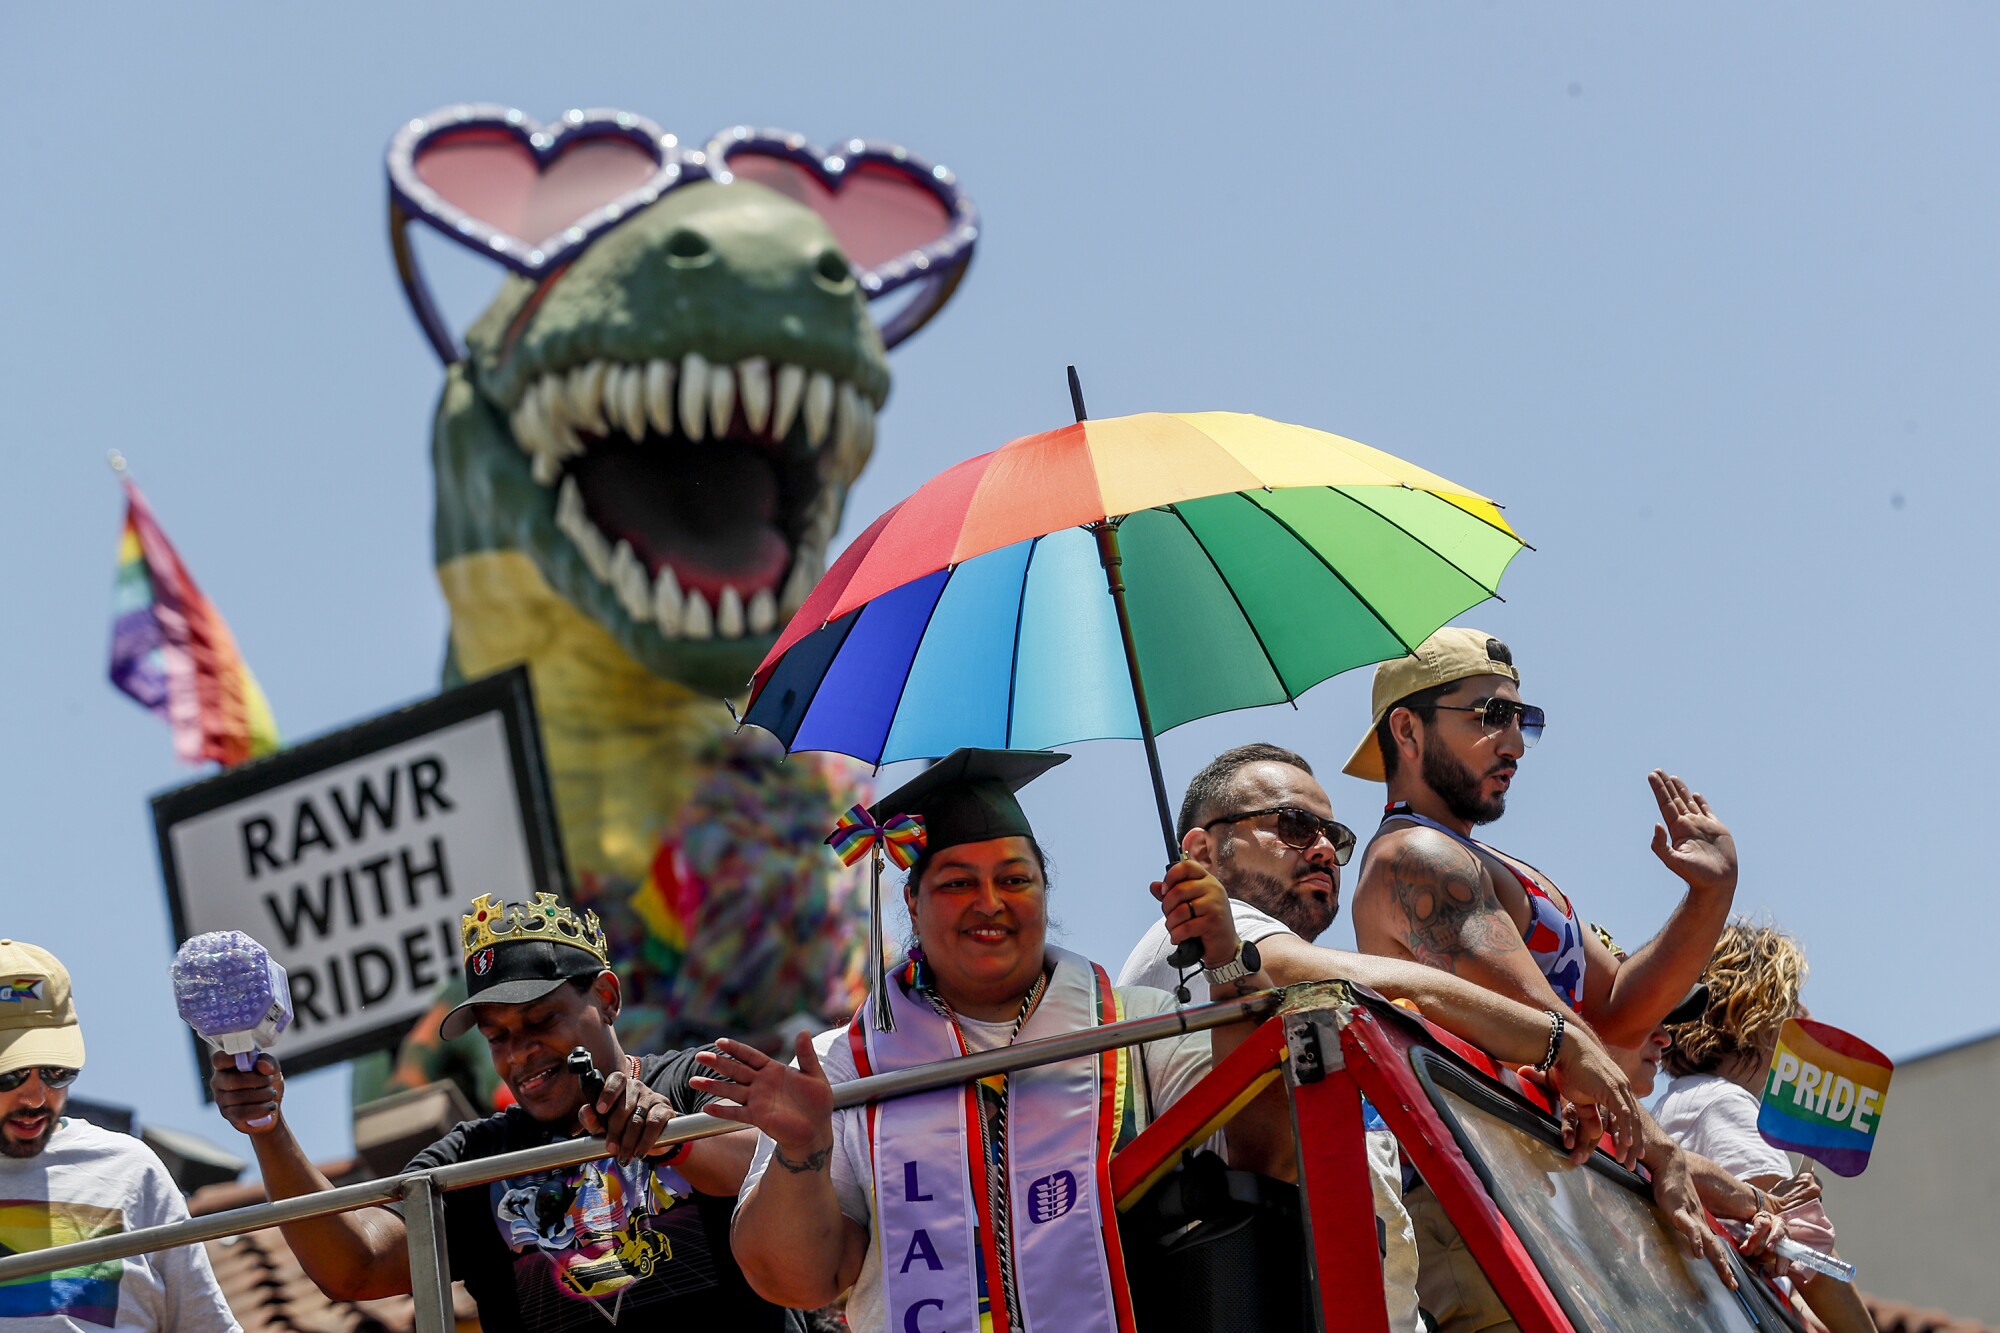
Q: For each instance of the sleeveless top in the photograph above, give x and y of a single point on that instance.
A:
(1554, 937)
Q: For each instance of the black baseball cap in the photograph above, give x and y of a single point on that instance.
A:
(1692, 1007)
(538, 947)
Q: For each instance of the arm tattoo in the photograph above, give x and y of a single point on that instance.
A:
(1448, 907)
(812, 1161)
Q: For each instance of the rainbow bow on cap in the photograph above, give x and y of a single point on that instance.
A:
(901, 836)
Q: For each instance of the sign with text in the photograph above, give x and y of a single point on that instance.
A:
(352, 856)
(1824, 1095)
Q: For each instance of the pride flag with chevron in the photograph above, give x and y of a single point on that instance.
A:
(171, 651)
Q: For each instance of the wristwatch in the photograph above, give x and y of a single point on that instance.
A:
(1242, 965)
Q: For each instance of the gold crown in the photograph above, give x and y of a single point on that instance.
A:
(492, 922)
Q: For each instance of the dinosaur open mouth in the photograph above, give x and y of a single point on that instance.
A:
(703, 495)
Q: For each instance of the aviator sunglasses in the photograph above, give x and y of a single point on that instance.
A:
(1498, 714)
(53, 1076)
(1300, 829)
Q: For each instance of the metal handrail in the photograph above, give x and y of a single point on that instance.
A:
(422, 1188)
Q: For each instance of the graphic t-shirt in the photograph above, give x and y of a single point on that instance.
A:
(592, 1246)
(90, 1182)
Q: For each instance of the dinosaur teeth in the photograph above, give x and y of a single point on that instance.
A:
(696, 400)
(822, 522)
(667, 603)
(721, 399)
(660, 398)
(631, 399)
(729, 613)
(596, 551)
(526, 422)
(696, 621)
(818, 407)
(853, 435)
(630, 582)
(586, 396)
(555, 417)
(694, 397)
(806, 569)
(753, 380)
(791, 388)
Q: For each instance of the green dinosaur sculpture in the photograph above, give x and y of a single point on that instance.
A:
(639, 465)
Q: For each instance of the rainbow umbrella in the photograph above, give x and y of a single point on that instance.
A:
(1246, 561)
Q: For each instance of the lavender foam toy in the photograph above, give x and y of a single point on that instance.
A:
(228, 989)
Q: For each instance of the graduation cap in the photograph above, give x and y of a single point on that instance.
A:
(967, 796)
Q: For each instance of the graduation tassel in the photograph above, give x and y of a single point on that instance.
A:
(901, 838)
(878, 951)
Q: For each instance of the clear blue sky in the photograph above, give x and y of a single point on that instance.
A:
(1705, 295)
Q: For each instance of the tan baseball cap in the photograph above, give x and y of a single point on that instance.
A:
(37, 1020)
(1453, 653)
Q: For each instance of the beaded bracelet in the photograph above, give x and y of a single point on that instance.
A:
(1555, 1043)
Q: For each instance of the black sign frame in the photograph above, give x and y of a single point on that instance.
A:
(509, 693)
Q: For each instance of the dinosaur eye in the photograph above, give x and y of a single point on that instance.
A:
(688, 248)
(831, 271)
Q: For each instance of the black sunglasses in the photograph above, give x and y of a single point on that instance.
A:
(1300, 829)
(53, 1076)
(1499, 714)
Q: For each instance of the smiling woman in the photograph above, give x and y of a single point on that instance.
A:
(877, 1199)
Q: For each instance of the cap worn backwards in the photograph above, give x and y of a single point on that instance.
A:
(1453, 653)
(515, 953)
(37, 1017)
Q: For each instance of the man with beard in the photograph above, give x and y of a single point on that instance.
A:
(1449, 731)
(1258, 820)
(66, 1180)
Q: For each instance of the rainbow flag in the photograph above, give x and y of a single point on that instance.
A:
(171, 651)
(1824, 1095)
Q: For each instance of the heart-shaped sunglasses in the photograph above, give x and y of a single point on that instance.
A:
(533, 197)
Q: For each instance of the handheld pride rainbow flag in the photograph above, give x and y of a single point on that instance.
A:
(171, 651)
(1825, 1095)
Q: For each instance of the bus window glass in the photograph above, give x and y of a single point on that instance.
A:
(1610, 1260)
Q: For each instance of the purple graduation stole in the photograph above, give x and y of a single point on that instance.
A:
(930, 1173)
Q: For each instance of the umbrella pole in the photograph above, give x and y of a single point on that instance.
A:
(1114, 579)
(1107, 556)
(1188, 953)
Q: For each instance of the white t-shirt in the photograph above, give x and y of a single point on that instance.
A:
(1708, 1114)
(1147, 965)
(90, 1182)
(1172, 1066)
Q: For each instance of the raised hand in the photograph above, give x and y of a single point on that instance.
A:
(793, 1106)
(248, 1099)
(1690, 840)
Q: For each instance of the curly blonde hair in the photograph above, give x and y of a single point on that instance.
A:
(1754, 981)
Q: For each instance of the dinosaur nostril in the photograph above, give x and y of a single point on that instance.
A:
(688, 248)
(832, 272)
